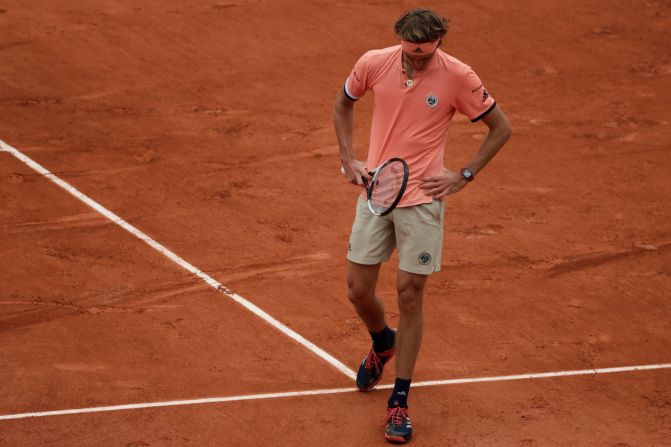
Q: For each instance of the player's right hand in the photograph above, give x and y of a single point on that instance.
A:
(354, 170)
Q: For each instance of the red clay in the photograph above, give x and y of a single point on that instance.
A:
(204, 124)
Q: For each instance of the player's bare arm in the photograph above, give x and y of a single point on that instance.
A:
(343, 118)
(450, 182)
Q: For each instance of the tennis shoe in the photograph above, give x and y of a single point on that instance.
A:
(370, 370)
(399, 428)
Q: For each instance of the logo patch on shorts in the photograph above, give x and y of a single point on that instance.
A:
(349, 247)
(424, 258)
(431, 101)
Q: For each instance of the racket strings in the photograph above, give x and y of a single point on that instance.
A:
(386, 186)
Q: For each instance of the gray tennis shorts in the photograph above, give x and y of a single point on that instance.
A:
(417, 232)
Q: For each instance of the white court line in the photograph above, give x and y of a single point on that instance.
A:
(212, 400)
(181, 262)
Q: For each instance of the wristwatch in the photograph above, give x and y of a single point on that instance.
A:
(467, 174)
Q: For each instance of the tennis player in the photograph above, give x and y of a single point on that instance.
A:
(417, 89)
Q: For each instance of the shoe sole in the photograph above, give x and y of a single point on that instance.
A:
(370, 388)
(398, 439)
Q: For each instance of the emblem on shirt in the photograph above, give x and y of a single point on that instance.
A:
(431, 101)
(424, 258)
(485, 94)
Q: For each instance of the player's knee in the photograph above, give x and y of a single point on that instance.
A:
(410, 300)
(358, 293)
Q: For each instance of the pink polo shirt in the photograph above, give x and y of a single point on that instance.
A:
(411, 122)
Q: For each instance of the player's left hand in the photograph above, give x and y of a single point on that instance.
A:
(442, 185)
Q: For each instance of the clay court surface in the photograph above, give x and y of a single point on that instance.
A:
(207, 126)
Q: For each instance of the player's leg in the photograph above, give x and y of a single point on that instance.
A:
(419, 236)
(371, 243)
(361, 281)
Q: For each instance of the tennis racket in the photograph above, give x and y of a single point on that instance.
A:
(386, 187)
